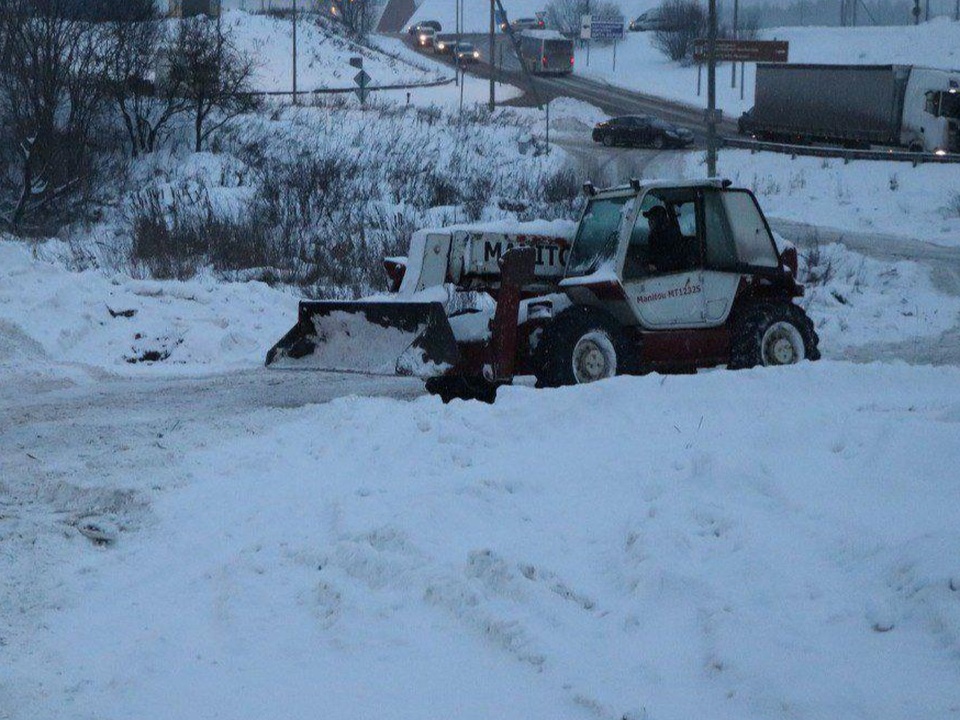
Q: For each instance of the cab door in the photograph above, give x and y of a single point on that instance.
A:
(663, 263)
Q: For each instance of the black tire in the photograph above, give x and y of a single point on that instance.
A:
(556, 355)
(607, 140)
(658, 142)
(759, 325)
(462, 388)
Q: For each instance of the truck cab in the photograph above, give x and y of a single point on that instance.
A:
(931, 111)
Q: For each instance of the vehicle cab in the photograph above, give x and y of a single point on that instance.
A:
(668, 255)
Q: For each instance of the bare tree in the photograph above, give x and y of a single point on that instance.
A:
(134, 42)
(564, 15)
(51, 93)
(357, 16)
(210, 73)
(683, 22)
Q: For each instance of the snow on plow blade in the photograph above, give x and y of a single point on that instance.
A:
(377, 338)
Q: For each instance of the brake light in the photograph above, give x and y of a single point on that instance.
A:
(544, 58)
(571, 59)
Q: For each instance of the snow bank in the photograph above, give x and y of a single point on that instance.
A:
(641, 66)
(50, 316)
(757, 544)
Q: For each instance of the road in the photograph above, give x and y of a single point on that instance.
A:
(609, 98)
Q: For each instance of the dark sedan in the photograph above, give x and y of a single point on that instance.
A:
(642, 131)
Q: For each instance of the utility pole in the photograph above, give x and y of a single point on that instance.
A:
(712, 89)
(294, 52)
(733, 65)
(456, 49)
(493, 39)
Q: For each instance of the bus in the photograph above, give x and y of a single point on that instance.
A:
(546, 52)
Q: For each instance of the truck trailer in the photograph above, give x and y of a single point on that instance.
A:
(857, 106)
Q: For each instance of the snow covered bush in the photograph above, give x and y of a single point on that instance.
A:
(316, 197)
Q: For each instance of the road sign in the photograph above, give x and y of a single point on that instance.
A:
(606, 30)
(362, 80)
(586, 21)
(356, 62)
(729, 50)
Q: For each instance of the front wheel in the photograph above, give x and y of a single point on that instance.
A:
(582, 346)
(771, 334)
(658, 142)
(607, 140)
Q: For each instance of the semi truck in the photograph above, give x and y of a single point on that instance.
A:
(857, 106)
(546, 52)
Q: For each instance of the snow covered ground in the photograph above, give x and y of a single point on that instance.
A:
(323, 56)
(727, 545)
(893, 198)
(642, 67)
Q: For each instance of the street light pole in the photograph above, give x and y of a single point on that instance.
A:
(493, 98)
(712, 90)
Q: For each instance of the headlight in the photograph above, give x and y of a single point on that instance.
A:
(423, 38)
(441, 46)
(476, 54)
(939, 151)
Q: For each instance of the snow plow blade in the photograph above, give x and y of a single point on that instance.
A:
(375, 338)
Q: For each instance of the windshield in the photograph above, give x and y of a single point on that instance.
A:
(597, 235)
(950, 105)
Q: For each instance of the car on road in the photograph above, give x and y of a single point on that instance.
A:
(444, 44)
(425, 37)
(417, 27)
(527, 23)
(465, 53)
(649, 21)
(642, 131)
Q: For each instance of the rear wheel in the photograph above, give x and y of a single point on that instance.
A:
(462, 388)
(772, 334)
(582, 346)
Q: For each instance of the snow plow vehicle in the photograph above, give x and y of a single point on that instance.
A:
(657, 276)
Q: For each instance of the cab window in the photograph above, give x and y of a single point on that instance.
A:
(754, 242)
(666, 235)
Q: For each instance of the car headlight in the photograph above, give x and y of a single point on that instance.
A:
(441, 46)
(476, 54)
(939, 151)
(423, 38)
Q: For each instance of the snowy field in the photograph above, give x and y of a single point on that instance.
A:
(642, 67)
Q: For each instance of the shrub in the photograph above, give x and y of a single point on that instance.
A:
(684, 22)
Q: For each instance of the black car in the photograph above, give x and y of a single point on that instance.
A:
(642, 131)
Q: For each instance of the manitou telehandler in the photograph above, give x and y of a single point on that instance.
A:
(657, 276)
